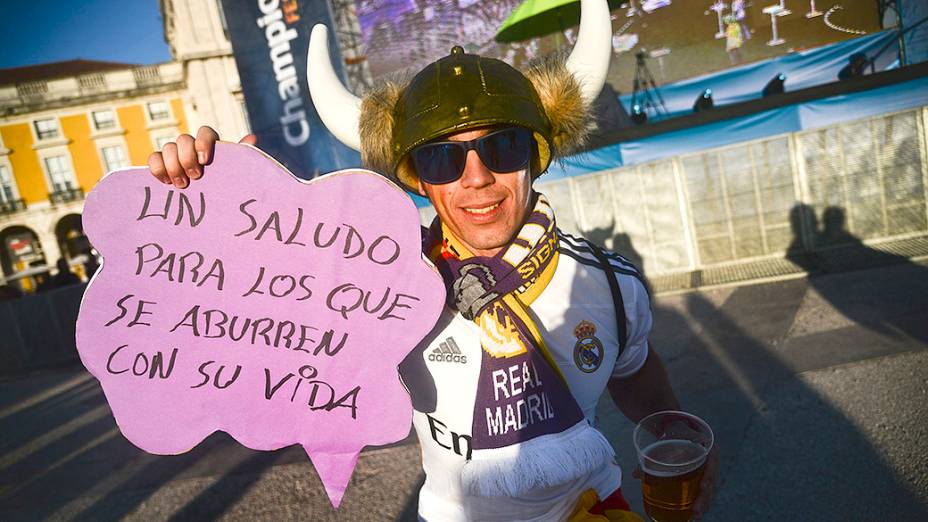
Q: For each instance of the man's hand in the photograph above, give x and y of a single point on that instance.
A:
(649, 391)
(179, 162)
(706, 485)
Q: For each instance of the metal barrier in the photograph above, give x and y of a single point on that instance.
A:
(863, 180)
(38, 330)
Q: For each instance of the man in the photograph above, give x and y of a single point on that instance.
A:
(733, 39)
(537, 323)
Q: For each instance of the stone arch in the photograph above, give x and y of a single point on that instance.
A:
(69, 233)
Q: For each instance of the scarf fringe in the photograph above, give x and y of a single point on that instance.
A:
(545, 461)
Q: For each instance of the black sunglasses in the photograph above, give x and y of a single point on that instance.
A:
(505, 150)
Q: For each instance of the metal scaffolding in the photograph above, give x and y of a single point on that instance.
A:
(348, 34)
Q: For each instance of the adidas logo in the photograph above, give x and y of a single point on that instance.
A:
(447, 351)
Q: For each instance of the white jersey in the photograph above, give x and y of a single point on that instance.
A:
(441, 375)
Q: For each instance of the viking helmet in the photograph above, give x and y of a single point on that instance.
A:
(465, 91)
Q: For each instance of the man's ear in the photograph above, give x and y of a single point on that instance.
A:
(421, 188)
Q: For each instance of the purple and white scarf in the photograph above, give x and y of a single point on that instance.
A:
(528, 431)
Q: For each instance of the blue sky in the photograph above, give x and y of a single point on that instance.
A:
(127, 31)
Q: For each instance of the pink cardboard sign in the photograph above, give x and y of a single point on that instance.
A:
(252, 302)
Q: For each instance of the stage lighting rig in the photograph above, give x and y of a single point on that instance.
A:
(856, 67)
(645, 95)
(704, 101)
(639, 116)
(774, 86)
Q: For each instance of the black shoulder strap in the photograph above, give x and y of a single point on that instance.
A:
(617, 301)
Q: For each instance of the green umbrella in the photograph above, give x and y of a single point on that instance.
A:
(536, 18)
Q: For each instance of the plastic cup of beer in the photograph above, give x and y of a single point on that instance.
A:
(672, 447)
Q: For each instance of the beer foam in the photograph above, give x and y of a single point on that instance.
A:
(668, 458)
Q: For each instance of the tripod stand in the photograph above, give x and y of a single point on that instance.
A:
(645, 96)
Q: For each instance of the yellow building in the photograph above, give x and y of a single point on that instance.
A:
(62, 126)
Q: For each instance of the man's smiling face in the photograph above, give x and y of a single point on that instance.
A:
(484, 209)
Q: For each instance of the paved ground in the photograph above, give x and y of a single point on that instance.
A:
(817, 389)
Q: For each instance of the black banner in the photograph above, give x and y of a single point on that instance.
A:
(270, 39)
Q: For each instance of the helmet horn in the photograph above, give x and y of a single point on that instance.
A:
(337, 107)
(589, 61)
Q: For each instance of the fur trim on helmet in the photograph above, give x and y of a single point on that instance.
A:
(558, 89)
(375, 125)
(563, 104)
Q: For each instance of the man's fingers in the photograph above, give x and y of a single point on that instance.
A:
(187, 156)
(156, 165)
(206, 140)
(173, 166)
(182, 161)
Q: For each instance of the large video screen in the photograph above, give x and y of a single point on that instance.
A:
(679, 38)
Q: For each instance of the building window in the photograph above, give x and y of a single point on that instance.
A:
(114, 157)
(7, 186)
(158, 111)
(161, 141)
(47, 128)
(59, 174)
(103, 120)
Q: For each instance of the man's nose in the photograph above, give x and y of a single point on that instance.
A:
(476, 174)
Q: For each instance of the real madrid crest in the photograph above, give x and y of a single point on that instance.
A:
(588, 352)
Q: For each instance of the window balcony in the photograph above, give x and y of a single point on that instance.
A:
(12, 206)
(38, 94)
(65, 195)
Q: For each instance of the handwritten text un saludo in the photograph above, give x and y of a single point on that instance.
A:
(188, 209)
